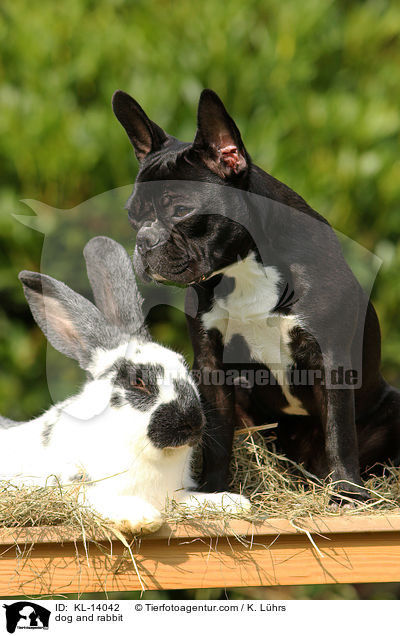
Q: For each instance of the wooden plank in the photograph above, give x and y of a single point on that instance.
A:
(214, 528)
(361, 549)
(274, 526)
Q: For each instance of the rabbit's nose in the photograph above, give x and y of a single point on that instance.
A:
(194, 423)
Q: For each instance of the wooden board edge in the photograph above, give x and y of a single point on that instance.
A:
(214, 528)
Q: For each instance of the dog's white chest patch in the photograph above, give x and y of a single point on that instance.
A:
(248, 311)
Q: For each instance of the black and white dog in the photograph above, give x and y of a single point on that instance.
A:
(269, 293)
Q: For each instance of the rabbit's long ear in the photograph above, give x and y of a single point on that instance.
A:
(113, 281)
(72, 324)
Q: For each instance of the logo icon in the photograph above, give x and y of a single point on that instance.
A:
(26, 615)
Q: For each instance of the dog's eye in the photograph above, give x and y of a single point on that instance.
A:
(181, 210)
(137, 383)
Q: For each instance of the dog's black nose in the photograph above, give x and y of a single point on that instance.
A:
(146, 242)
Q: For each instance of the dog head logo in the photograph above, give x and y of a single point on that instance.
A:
(26, 615)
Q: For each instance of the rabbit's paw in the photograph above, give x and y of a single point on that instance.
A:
(134, 517)
(228, 502)
(232, 503)
(141, 520)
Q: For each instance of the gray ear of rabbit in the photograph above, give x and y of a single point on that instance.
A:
(70, 322)
(113, 281)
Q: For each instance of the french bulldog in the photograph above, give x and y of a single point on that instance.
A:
(281, 329)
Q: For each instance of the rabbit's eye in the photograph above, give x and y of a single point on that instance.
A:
(138, 383)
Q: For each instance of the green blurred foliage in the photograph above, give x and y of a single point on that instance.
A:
(313, 86)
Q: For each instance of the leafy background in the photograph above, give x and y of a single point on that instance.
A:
(313, 85)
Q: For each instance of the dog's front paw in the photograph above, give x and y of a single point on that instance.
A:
(348, 495)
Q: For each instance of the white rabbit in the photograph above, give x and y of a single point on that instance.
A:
(129, 435)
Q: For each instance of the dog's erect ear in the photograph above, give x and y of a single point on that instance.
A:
(70, 322)
(144, 134)
(218, 139)
(113, 281)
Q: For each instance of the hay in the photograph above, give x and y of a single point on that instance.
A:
(33, 506)
(276, 487)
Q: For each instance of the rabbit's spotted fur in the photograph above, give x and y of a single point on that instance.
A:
(128, 436)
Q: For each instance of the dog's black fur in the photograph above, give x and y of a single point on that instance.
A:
(190, 225)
